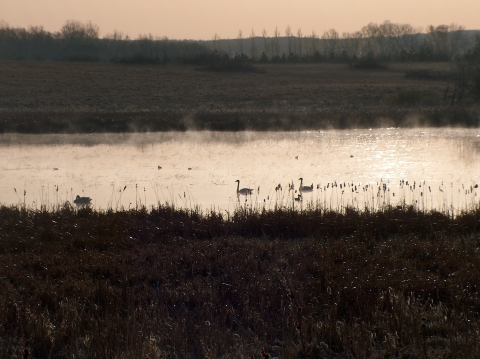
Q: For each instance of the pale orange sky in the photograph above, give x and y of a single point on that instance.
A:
(201, 19)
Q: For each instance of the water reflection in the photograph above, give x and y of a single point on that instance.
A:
(343, 168)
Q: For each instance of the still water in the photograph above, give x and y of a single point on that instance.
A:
(429, 168)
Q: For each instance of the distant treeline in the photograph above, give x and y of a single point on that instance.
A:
(77, 41)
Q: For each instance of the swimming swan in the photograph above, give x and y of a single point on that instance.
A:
(243, 191)
(305, 188)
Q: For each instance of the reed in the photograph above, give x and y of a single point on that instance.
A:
(333, 195)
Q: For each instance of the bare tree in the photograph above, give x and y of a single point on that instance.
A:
(216, 43)
(36, 31)
(439, 38)
(91, 30)
(405, 36)
(116, 36)
(456, 38)
(240, 42)
(331, 42)
(385, 34)
(357, 44)
(146, 46)
(3, 24)
(370, 33)
(253, 47)
(463, 73)
(313, 43)
(229, 48)
(163, 41)
(75, 31)
(347, 44)
(289, 36)
(276, 44)
(300, 42)
(265, 43)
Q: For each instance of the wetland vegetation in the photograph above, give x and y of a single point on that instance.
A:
(169, 282)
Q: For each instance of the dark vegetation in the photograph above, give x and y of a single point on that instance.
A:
(150, 121)
(294, 284)
(368, 63)
(70, 97)
(223, 63)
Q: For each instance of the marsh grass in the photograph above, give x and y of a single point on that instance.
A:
(368, 63)
(288, 282)
(414, 97)
(427, 74)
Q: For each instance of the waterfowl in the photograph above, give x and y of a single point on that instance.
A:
(243, 191)
(305, 188)
(82, 200)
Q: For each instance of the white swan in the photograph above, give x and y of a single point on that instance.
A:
(305, 188)
(82, 200)
(243, 191)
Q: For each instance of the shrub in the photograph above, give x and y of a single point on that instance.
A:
(413, 98)
(366, 63)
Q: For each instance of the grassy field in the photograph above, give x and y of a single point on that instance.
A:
(169, 283)
(95, 97)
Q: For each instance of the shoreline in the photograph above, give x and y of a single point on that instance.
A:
(71, 122)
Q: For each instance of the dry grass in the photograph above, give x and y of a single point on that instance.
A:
(148, 94)
(111, 87)
(178, 283)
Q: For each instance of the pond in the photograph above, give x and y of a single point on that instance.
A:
(429, 168)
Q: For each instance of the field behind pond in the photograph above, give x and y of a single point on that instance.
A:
(98, 97)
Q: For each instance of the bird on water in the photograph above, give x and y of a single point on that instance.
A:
(243, 191)
(305, 188)
(82, 200)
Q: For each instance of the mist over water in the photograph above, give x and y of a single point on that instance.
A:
(442, 167)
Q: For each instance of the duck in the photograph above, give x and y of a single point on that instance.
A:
(82, 200)
(243, 191)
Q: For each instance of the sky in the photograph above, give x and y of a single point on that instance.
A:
(202, 19)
